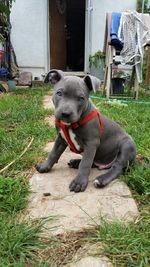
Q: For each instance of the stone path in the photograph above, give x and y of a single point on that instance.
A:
(78, 211)
(85, 258)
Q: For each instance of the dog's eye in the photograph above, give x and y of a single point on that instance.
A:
(81, 98)
(59, 93)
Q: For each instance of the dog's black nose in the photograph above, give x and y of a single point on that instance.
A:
(66, 114)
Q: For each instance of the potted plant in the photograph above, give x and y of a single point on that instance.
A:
(118, 80)
(96, 64)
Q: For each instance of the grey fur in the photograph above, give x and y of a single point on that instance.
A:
(71, 100)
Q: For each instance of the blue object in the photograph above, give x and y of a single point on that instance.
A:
(4, 72)
(114, 27)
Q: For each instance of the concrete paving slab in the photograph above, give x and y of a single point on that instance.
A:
(50, 120)
(47, 102)
(88, 256)
(25, 78)
(90, 262)
(78, 211)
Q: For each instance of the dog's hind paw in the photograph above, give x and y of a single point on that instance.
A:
(74, 163)
(100, 183)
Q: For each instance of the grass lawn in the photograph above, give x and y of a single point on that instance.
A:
(21, 118)
(22, 243)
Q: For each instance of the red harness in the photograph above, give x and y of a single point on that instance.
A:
(65, 128)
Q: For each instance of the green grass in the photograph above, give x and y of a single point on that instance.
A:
(138, 179)
(13, 194)
(126, 245)
(22, 243)
(21, 118)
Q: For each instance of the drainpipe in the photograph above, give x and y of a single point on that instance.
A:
(88, 34)
(46, 34)
(143, 2)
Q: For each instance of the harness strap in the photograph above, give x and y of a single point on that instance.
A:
(65, 128)
(86, 119)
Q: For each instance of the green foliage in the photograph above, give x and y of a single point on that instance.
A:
(126, 245)
(13, 194)
(146, 6)
(21, 118)
(5, 8)
(20, 242)
(94, 60)
(138, 179)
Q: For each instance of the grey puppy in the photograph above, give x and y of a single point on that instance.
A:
(102, 142)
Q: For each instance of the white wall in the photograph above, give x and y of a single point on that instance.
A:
(100, 8)
(29, 35)
(29, 19)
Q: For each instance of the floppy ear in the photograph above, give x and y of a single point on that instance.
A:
(92, 82)
(53, 76)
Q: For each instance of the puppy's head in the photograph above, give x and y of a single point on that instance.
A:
(71, 94)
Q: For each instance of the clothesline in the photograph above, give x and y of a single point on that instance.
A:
(129, 33)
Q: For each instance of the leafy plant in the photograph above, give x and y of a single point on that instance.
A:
(146, 8)
(118, 74)
(5, 7)
(94, 60)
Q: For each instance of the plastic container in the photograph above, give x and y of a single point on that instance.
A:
(11, 85)
(118, 86)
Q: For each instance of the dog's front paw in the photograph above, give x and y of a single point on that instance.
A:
(79, 184)
(43, 167)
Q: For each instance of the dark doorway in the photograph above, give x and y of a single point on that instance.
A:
(57, 33)
(75, 22)
(67, 35)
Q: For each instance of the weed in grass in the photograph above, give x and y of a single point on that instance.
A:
(13, 194)
(22, 117)
(125, 245)
(68, 245)
(138, 179)
(22, 242)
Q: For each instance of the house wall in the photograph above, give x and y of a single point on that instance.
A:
(100, 8)
(29, 19)
(29, 35)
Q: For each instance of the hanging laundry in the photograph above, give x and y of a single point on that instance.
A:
(114, 29)
(135, 36)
